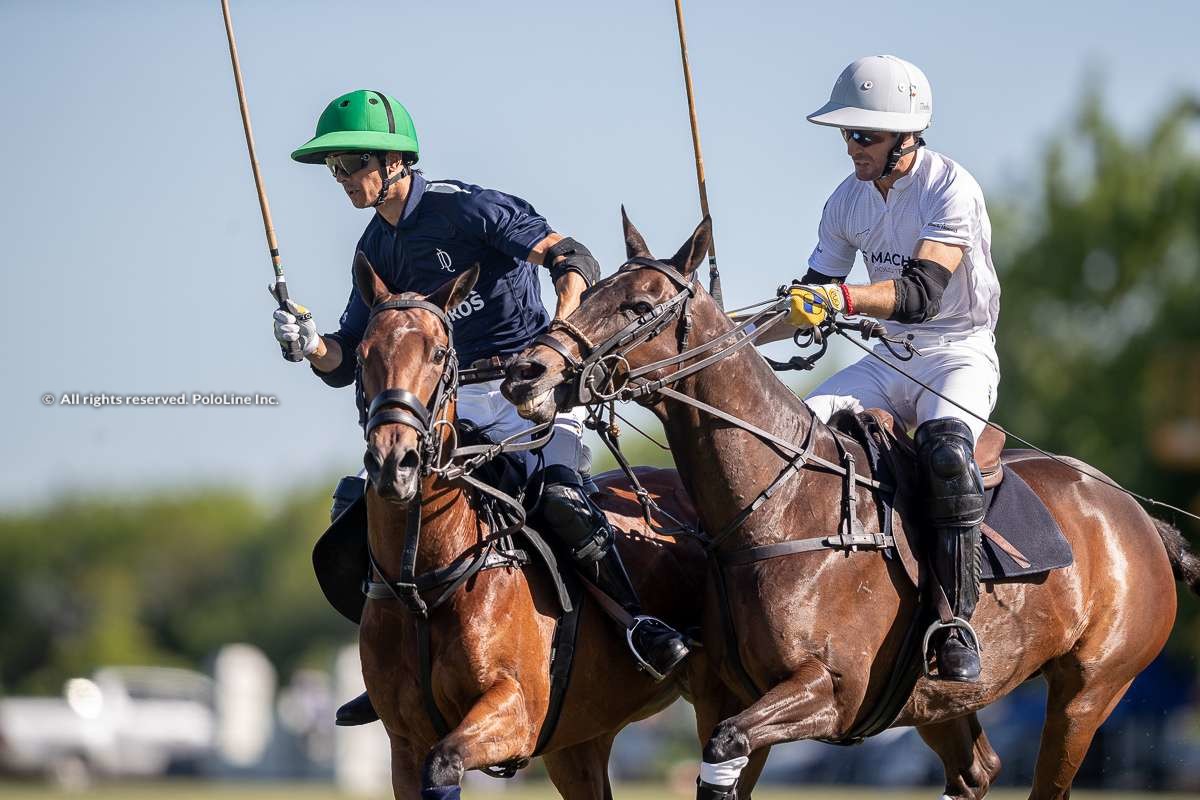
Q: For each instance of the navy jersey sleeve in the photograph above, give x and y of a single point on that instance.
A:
(348, 335)
(504, 222)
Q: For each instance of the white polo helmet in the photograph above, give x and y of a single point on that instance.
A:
(878, 93)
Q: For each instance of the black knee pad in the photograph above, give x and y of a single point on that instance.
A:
(570, 515)
(946, 451)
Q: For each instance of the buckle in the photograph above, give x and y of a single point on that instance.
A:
(493, 362)
(859, 541)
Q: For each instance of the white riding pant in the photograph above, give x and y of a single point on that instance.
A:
(963, 368)
(483, 404)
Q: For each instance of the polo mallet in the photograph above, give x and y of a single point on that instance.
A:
(714, 277)
(291, 350)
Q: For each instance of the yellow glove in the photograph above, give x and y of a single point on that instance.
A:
(812, 305)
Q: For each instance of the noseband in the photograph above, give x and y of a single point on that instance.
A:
(395, 405)
(594, 377)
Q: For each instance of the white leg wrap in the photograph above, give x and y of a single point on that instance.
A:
(724, 774)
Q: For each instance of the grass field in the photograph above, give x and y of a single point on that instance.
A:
(223, 791)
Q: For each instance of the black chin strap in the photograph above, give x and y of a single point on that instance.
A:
(899, 152)
(388, 181)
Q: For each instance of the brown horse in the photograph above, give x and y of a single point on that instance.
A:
(490, 642)
(819, 631)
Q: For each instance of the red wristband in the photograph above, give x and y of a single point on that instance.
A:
(846, 296)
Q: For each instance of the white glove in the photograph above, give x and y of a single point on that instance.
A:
(296, 326)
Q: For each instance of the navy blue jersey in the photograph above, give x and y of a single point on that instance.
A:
(447, 227)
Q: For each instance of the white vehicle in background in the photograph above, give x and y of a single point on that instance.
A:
(121, 722)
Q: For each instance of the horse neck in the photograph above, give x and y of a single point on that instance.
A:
(725, 467)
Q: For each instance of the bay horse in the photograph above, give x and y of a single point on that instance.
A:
(819, 631)
(489, 644)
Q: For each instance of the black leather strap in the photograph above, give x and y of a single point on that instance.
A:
(867, 541)
(425, 659)
(562, 658)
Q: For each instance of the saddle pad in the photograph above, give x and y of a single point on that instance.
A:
(1020, 516)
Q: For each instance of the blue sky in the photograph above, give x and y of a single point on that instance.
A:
(134, 259)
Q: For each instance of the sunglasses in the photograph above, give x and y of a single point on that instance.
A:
(346, 164)
(866, 138)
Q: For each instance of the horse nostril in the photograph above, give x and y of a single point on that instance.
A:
(372, 462)
(410, 461)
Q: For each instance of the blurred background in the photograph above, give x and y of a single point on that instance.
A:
(160, 620)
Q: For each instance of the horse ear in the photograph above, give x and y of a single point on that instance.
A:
(455, 290)
(370, 287)
(693, 250)
(635, 245)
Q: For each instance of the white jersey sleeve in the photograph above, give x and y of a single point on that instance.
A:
(834, 253)
(952, 216)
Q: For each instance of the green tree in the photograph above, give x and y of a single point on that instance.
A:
(1099, 335)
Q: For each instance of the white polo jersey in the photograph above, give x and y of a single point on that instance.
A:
(937, 200)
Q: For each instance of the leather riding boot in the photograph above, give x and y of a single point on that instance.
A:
(571, 517)
(358, 711)
(945, 448)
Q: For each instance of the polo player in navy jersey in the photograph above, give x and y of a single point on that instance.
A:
(422, 233)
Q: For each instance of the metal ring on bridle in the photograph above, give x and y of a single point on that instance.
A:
(611, 391)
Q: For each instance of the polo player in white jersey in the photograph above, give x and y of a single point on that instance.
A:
(920, 223)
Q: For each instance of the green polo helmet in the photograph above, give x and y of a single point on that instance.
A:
(362, 120)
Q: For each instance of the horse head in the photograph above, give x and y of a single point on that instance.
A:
(635, 317)
(408, 373)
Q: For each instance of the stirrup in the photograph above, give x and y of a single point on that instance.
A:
(643, 664)
(957, 623)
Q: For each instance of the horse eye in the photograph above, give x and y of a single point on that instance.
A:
(638, 307)
(439, 354)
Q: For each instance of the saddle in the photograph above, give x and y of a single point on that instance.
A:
(987, 450)
(1020, 537)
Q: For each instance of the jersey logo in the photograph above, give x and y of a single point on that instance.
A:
(880, 257)
(466, 308)
(444, 259)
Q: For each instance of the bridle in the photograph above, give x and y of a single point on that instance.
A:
(602, 372)
(395, 405)
(595, 380)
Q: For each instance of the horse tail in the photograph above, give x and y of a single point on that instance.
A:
(1184, 561)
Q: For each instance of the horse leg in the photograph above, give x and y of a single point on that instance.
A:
(714, 704)
(495, 730)
(580, 772)
(1079, 700)
(967, 756)
(801, 707)
(406, 769)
